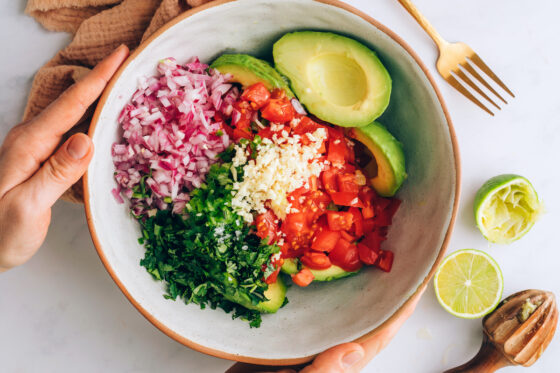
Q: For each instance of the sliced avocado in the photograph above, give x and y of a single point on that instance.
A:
(291, 266)
(338, 79)
(276, 293)
(331, 273)
(248, 70)
(386, 170)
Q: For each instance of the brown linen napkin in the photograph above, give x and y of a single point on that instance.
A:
(99, 26)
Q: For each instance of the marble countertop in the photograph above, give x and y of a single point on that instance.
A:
(61, 312)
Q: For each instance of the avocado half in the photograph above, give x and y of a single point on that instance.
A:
(338, 79)
(291, 266)
(276, 293)
(386, 171)
(248, 70)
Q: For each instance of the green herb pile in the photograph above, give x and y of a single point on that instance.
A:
(209, 256)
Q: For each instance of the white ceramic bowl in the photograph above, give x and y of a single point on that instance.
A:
(321, 315)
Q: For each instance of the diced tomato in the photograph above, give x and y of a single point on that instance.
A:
(347, 183)
(227, 129)
(367, 195)
(267, 132)
(357, 221)
(380, 204)
(337, 150)
(258, 94)
(313, 183)
(315, 204)
(369, 225)
(346, 199)
(315, 260)
(346, 256)
(335, 132)
(339, 220)
(303, 277)
(278, 93)
(368, 212)
(325, 240)
(367, 255)
(328, 178)
(347, 236)
(373, 240)
(385, 217)
(295, 224)
(306, 125)
(350, 156)
(278, 111)
(385, 261)
(267, 226)
(242, 134)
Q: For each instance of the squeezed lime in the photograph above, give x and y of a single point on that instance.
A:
(505, 208)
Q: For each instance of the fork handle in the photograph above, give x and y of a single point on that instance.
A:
(424, 23)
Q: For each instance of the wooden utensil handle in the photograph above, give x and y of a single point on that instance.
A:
(424, 23)
(487, 360)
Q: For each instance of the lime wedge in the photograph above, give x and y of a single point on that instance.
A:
(505, 208)
(469, 284)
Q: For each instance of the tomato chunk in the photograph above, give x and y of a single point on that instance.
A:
(357, 221)
(367, 255)
(258, 94)
(267, 226)
(339, 220)
(303, 277)
(328, 177)
(346, 256)
(242, 134)
(336, 150)
(347, 183)
(325, 240)
(385, 261)
(278, 111)
(315, 260)
(346, 199)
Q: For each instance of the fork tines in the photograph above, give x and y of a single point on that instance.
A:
(458, 78)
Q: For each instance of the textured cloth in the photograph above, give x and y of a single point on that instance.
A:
(98, 26)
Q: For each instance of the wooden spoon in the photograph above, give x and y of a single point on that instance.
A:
(516, 333)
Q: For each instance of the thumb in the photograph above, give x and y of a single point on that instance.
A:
(339, 359)
(60, 171)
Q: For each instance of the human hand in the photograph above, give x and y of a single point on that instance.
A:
(32, 178)
(347, 357)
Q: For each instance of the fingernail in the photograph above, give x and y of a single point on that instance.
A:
(78, 146)
(351, 358)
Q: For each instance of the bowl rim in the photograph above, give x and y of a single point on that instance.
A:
(387, 324)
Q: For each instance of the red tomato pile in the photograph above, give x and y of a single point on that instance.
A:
(338, 219)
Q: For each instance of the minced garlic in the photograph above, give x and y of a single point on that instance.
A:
(281, 166)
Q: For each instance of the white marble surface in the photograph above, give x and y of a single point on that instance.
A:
(62, 313)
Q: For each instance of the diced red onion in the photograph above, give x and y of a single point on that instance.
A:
(169, 133)
(298, 107)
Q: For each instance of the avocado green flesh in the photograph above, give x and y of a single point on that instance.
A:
(389, 157)
(290, 267)
(338, 79)
(248, 70)
(275, 294)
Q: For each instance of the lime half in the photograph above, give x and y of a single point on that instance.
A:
(469, 284)
(505, 208)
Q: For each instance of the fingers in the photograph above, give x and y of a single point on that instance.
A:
(59, 172)
(63, 113)
(339, 359)
(29, 144)
(248, 368)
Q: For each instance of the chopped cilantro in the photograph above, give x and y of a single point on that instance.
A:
(209, 251)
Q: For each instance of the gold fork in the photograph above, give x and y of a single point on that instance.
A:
(455, 60)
